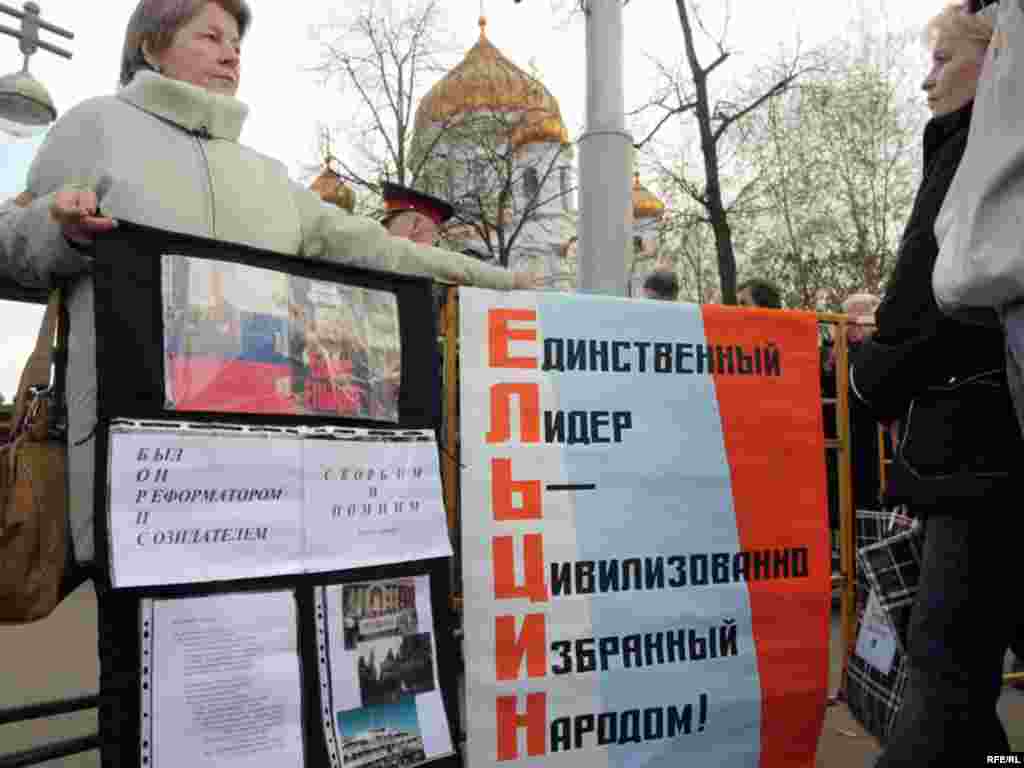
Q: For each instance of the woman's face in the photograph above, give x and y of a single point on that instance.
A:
(953, 79)
(204, 52)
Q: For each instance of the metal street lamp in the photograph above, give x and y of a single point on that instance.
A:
(23, 99)
(606, 157)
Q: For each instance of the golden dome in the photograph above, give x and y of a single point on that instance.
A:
(332, 189)
(486, 80)
(645, 204)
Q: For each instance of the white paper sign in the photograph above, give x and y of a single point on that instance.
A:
(372, 502)
(225, 686)
(192, 508)
(876, 641)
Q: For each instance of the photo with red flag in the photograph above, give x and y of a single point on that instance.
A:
(243, 339)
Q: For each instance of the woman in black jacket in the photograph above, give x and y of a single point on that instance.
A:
(942, 382)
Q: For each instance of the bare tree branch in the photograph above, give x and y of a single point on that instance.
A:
(775, 90)
(385, 58)
(382, 55)
(690, 96)
(670, 112)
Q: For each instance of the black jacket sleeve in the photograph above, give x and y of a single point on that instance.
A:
(916, 345)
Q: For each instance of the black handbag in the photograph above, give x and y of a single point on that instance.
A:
(886, 377)
(966, 426)
(958, 441)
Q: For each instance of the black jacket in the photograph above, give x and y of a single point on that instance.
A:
(942, 378)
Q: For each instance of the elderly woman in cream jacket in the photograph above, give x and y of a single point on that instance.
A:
(164, 152)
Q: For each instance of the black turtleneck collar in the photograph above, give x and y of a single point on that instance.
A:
(941, 129)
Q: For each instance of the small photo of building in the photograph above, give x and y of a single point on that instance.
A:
(383, 736)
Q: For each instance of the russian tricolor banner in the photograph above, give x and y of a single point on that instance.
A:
(646, 567)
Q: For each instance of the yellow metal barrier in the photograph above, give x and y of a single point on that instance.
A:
(846, 578)
(451, 455)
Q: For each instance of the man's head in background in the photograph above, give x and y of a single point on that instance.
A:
(861, 309)
(413, 215)
(661, 285)
(758, 293)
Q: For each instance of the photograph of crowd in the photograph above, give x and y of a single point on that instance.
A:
(383, 736)
(379, 609)
(395, 667)
(246, 339)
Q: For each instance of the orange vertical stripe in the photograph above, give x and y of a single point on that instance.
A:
(780, 502)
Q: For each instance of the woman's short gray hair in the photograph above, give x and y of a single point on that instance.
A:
(157, 21)
(861, 305)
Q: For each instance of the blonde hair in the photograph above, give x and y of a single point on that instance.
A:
(157, 21)
(957, 22)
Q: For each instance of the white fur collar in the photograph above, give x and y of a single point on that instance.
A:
(193, 108)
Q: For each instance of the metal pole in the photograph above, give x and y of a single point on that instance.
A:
(847, 519)
(29, 32)
(47, 709)
(39, 43)
(33, 8)
(605, 157)
(50, 752)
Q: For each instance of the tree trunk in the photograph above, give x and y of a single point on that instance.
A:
(713, 187)
(726, 255)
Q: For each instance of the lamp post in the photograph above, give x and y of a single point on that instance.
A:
(23, 99)
(606, 157)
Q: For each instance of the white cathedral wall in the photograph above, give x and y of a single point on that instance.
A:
(539, 243)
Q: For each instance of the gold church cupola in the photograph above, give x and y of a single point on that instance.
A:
(645, 204)
(332, 188)
(486, 80)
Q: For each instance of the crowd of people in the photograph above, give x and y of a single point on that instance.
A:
(408, 672)
(937, 382)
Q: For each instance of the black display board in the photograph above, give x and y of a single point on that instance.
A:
(130, 328)
(120, 626)
(131, 376)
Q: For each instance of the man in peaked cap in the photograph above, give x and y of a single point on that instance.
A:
(413, 215)
(418, 217)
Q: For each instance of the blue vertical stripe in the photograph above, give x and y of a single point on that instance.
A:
(663, 491)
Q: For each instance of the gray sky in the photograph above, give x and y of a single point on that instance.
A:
(286, 102)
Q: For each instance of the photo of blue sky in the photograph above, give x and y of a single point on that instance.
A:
(399, 716)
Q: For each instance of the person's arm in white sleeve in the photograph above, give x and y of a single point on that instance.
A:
(330, 234)
(33, 247)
